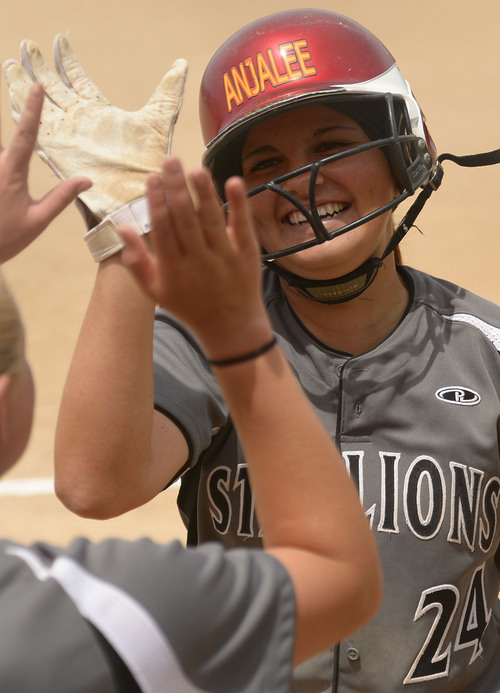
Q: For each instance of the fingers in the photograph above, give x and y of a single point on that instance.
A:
(61, 88)
(210, 213)
(177, 236)
(59, 198)
(164, 236)
(183, 228)
(170, 90)
(166, 101)
(36, 67)
(19, 152)
(176, 233)
(24, 220)
(72, 73)
(173, 211)
(19, 83)
(240, 225)
(17, 157)
(201, 224)
(202, 272)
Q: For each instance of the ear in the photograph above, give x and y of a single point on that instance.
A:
(5, 381)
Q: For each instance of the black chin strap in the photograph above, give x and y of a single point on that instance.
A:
(473, 160)
(337, 290)
(351, 285)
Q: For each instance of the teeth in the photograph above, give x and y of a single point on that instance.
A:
(328, 210)
(296, 218)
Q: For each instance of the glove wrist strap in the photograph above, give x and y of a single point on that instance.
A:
(103, 241)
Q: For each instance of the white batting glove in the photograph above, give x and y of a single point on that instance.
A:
(82, 134)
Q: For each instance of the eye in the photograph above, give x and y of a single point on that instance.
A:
(333, 145)
(259, 165)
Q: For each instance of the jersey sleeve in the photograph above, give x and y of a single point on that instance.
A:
(202, 619)
(184, 387)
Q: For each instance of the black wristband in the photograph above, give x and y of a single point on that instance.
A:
(245, 357)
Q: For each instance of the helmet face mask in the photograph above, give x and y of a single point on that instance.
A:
(304, 57)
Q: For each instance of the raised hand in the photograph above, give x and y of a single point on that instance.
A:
(203, 268)
(23, 219)
(82, 133)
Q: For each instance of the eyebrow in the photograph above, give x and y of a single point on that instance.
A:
(268, 148)
(265, 149)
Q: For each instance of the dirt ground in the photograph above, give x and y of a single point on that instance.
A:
(449, 54)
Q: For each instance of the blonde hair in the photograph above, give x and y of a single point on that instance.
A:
(11, 330)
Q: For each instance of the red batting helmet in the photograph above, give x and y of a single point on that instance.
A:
(299, 57)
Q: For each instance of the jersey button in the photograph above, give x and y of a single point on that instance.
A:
(352, 653)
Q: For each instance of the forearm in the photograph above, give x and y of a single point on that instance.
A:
(103, 435)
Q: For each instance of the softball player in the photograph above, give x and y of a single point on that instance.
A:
(401, 367)
(137, 616)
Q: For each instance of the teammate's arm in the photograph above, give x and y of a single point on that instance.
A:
(209, 276)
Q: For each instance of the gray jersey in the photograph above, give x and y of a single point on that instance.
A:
(129, 617)
(417, 420)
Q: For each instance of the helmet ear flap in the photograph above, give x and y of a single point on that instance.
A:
(401, 154)
(379, 120)
(409, 157)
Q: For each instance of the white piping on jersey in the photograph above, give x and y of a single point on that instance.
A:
(123, 621)
(490, 332)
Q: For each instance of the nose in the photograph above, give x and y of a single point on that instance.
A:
(298, 185)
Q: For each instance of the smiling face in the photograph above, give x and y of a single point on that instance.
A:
(345, 190)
